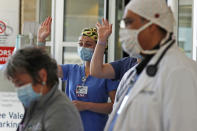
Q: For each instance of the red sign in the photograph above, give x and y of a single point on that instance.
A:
(5, 52)
(2, 26)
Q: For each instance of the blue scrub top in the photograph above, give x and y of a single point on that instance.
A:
(122, 66)
(98, 90)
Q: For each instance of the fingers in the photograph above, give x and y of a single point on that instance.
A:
(47, 21)
(110, 27)
(98, 25)
(105, 23)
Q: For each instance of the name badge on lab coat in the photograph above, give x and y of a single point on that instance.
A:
(81, 91)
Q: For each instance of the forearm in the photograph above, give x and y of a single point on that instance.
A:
(97, 61)
(104, 108)
(97, 67)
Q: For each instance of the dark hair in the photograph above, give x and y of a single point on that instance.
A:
(31, 60)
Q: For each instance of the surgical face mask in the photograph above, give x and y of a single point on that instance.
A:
(85, 53)
(130, 42)
(26, 94)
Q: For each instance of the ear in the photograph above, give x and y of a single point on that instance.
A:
(43, 75)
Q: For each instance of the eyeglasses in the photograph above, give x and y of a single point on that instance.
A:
(126, 22)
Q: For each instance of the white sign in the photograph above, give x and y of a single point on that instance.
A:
(9, 22)
(11, 111)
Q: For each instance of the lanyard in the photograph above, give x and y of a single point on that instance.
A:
(131, 78)
(83, 79)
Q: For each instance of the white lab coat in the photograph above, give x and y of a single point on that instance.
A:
(165, 102)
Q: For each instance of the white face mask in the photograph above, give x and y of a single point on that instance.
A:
(130, 42)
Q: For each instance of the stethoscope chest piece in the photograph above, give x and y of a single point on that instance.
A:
(151, 70)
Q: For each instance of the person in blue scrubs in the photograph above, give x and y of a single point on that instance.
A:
(114, 70)
(89, 94)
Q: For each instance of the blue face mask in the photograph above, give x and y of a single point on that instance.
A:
(26, 94)
(85, 53)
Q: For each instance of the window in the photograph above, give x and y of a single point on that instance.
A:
(185, 27)
(78, 14)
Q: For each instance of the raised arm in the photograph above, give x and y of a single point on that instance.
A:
(43, 32)
(97, 67)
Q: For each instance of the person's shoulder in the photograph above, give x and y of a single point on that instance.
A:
(72, 66)
(60, 99)
(128, 59)
(177, 58)
(60, 110)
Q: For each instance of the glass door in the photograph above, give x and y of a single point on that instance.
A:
(78, 14)
(185, 32)
(195, 30)
(71, 16)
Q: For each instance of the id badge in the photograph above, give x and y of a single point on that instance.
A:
(81, 91)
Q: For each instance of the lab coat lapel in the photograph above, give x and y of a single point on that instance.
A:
(144, 80)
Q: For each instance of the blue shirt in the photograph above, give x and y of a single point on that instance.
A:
(97, 92)
(122, 66)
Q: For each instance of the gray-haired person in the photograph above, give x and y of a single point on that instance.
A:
(34, 75)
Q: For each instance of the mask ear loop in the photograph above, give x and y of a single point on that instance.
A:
(43, 84)
(168, 37)
(147, 52)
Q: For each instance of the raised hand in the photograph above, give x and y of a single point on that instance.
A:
(44, 30)
(104, 30)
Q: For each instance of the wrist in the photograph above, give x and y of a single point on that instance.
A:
(88, 106)
(101, 42)
(41, 43)
(41, 40)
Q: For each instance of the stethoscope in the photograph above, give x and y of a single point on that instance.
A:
(151, 70)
